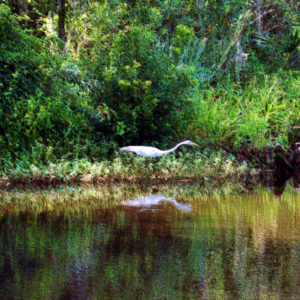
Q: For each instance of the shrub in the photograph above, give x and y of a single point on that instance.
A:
(139, 78)
(41, 114)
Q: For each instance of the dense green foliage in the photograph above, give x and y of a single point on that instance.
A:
(41, 113)
(259, 114)
(145, 72)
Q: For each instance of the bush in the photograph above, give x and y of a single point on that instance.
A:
(41, 114)
(140, 80)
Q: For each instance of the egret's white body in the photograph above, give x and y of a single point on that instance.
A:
(152, 151)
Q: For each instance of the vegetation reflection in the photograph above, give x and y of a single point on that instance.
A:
(230, 247)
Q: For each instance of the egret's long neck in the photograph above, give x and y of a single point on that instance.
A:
(173, 149)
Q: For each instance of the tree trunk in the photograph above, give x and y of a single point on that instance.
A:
(61, 20)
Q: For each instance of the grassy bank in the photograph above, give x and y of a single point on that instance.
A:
(214, 168)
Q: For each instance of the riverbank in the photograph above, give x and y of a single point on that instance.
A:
(207, 167)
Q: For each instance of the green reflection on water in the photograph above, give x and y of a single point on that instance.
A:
(234, 247)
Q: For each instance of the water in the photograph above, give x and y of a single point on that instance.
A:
(154, 247)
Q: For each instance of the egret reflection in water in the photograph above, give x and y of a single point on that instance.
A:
(235, 247)
(149, 201)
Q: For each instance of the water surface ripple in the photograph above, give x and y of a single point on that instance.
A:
(154, 247)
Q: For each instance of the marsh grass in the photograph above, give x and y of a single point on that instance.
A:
(190, 165)
(260, 113)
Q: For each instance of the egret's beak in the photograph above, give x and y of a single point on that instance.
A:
(195, 144)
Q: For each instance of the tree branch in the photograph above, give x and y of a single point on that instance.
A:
(232, 44)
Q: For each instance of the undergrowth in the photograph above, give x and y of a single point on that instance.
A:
(208, 166)
(261, 113)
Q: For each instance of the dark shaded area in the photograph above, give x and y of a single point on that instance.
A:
(285, 165)
(61, 20)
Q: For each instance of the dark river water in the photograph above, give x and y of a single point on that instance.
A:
(153, 247)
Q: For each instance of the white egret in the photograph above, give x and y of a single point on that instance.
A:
(152, 151)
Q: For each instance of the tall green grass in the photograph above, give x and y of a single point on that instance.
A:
(261, 113)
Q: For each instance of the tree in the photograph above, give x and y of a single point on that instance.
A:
(61, 20)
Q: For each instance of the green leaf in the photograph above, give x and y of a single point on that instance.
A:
(60, 175)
